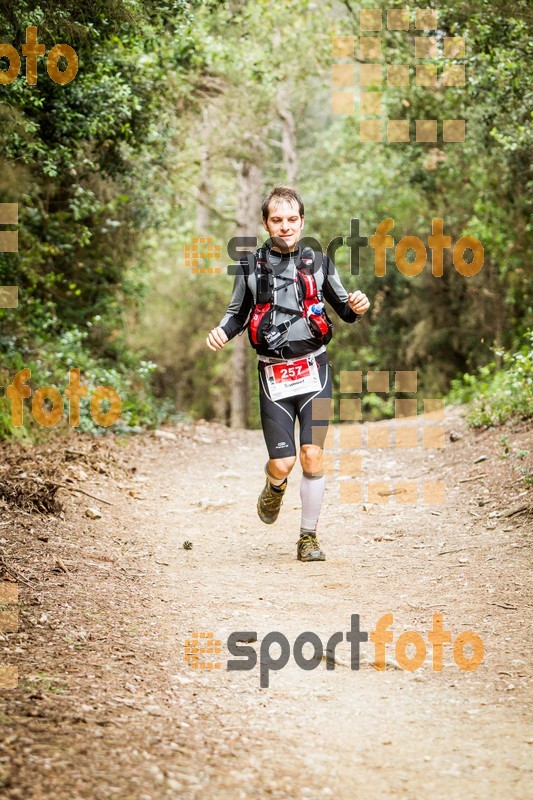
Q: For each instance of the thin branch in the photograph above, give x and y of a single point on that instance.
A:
(82, 491)
(350, 9)
(65, 486)
(215, 211)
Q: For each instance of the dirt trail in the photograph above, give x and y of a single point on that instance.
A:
(107, 706)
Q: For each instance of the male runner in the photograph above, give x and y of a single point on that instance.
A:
(289, 338)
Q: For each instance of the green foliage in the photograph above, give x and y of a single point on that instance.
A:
(107, 171)
(87, 162)
(496, 395)
(49, 362)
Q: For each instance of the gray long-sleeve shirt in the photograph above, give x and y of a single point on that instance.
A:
(300, 339)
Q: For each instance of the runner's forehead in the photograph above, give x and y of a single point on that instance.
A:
(283, 208)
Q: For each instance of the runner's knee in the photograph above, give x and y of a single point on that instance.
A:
(311, 460)
(280, 467)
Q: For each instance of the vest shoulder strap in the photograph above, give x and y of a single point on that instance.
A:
(318, 275)
(306, 260)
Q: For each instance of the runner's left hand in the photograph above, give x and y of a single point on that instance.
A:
(358, 302)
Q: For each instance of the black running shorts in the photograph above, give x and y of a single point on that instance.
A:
(278, 416)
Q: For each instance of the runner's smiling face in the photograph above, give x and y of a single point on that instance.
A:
(285, 222)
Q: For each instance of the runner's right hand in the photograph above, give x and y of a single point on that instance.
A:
(216, 339)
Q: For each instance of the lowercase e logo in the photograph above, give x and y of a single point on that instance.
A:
(9, 243)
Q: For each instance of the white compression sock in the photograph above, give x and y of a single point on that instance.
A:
(311, 493)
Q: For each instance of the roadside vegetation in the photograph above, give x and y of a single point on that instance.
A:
(179, 113)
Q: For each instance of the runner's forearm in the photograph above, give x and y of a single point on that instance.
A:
(337, 296)
(239, 308)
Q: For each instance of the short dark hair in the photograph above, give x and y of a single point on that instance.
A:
(282, 193)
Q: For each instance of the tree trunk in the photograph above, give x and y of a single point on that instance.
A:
(248, 210)
(204, 185)
(288, 139)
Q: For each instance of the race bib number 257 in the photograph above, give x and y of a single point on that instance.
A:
(290, 378)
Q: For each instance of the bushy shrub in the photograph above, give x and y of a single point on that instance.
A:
(50, 360)
(495, 395)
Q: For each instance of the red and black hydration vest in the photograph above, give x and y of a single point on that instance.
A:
(262, 332)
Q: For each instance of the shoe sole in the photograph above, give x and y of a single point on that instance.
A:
(313, 558)
(266, 520)
(263, 518)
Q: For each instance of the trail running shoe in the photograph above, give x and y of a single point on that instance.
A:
(270, 501)
(309, 548)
